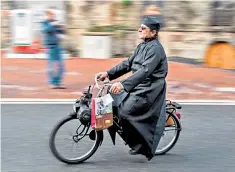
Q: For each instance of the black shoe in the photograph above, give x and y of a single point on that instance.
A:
(61, 86)
(149, 157)
(135, 150)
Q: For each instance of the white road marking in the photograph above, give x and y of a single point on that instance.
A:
(71, 101)
(225, 89)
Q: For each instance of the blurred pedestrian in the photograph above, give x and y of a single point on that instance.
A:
(54, 33)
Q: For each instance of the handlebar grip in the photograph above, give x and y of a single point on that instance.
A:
(106, 81)
(89, 89)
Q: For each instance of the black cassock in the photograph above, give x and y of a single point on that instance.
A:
(142, 110)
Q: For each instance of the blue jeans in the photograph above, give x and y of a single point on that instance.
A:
(55, 65)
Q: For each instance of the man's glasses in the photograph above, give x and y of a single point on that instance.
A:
(142, 28)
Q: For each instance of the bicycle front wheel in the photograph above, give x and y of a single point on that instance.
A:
(72, 142)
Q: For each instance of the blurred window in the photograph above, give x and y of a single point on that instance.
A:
(222, 13)
(158, 4)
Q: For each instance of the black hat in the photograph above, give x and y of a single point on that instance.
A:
(153, 22)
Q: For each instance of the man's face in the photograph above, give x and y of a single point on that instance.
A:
(145, 32)
(50, 15)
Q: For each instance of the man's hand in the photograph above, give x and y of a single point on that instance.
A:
(116, 88)
(102, 76)
(62, 26)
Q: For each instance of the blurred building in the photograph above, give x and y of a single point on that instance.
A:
(191, 29)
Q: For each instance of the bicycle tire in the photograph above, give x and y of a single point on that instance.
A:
(99, 138)
(164, 151)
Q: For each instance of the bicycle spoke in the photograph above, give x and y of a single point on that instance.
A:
(68, 139)
(171, 130)
(74, 143)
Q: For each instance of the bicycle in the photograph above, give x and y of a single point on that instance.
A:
(82, 114)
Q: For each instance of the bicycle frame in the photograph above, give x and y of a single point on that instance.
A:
(116, 127)
(171, 107)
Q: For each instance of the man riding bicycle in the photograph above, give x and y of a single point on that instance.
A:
(142, 109)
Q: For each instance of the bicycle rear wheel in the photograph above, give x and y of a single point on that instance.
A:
(76, 152)
(170, 135)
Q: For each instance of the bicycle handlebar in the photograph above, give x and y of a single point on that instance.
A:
(106, 82)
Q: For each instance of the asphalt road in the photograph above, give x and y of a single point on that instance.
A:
(207, 143)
